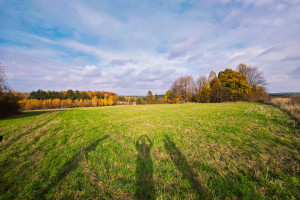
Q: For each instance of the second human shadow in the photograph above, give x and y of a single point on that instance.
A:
(183, 166)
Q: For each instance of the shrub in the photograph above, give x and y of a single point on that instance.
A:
(8, 104)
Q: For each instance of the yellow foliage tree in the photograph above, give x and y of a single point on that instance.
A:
(87, 103)
(204, 93)
(110, 101)
(94, 101)
(237, 84)
(167, 98)
(80, 103)
(56, 103)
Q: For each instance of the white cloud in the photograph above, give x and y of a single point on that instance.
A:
(91, 70)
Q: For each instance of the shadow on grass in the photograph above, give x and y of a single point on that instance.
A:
(12, 138)
(144, 188)
(183, 166)
(28, 114)
(69, 166)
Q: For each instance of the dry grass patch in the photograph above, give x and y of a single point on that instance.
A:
(291, 105)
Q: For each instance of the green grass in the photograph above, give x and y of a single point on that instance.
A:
(188, 151)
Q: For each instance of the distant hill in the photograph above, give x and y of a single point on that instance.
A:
(284, 94)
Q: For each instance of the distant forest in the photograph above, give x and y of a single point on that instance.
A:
(70, 94)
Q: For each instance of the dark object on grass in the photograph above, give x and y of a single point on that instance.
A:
(1, 138)
(144, 188)
(183, 166)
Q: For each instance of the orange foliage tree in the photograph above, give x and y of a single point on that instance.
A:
(236, 83)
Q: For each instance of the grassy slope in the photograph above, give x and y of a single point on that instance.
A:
(225, 151)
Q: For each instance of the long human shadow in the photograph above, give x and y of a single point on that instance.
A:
(144, 186)
(69, 166)
(183, 166)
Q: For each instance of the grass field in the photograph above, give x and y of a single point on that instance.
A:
(188, 151)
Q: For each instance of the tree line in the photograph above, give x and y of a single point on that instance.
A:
(70, 94)
(34, 104)
(150, 99)
(67, 99)
(246, 83)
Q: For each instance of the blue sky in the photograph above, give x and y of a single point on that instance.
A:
(129, 47)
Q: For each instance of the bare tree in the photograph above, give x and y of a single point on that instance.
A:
(253, 75)
(184, 86)
(211, 76)
(8, 101)
(131, 100)
(200, 83)
(3, 78)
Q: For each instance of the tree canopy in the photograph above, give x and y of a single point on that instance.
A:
(236, 83)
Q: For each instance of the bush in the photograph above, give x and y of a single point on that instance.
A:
(8, 104)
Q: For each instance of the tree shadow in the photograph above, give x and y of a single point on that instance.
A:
(69, 166)
(28, 114)
(183, 166)
(144, 188)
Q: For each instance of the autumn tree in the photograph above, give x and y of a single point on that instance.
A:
(94, 101)
(236, 83)
(156, 97)
(110, 101)
(167, 98)
(87, 103)
(171, 97)
(204, 93)
(259, 94)
(80, 103)
(139, 101)
(150, 98)
(218, 92)
(56, 103)
(115, 99)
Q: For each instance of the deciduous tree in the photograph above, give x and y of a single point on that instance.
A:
(156, 98)
(184, 87)
(94, 101)
(253, 75)
(200, 83)
(211, 76)
(150, 98)
(236, 83)
(204, 93)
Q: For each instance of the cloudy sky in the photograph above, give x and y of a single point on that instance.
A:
(129, 47)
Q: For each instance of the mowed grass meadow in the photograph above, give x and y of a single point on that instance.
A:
(181, 151)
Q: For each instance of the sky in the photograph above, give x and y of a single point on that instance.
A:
(130, 47)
